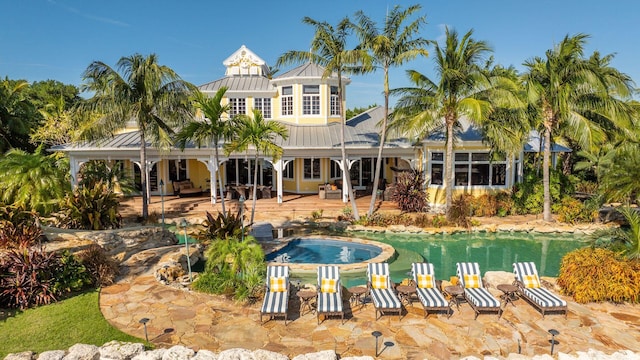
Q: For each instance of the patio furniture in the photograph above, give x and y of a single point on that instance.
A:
(455, 294)
(185, 188)
(479, 298)
(381, 288)
(357, 295)
(276, 297)
(405, 293)
(508, 293)
(329, 292)
(528, 283)
(306, 297)
(430, 297)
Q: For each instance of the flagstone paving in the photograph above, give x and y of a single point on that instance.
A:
(215, 323)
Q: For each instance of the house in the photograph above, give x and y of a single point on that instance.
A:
(307, 104)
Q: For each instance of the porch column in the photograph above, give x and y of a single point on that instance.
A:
(345, 187)
(279, 166)
(212, 166)
(74, 167)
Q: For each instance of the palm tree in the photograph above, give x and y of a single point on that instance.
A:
(390, 46)
(35, 181)
(15, 112)
(575, 96)
(261, 135)
(211, 130)
(464, 88)
(139, 90)
(329, 50)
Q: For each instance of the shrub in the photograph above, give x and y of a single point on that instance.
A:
(528, 196)
(347, 214)
(422, 220)
(71, 274)
(19, 227)
(594, 275)
(439, 221)
(409, 193)
(316, 214)
(93, 208)
(28, 277)
(572, 210)
(504, 204)
(221, 227)
(483, 205)
(100, 267)
(460, 210)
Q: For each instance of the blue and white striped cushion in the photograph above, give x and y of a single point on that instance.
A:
(431, 297)
(544, 297)
(275, 302)
(385, 299)
(481, 297)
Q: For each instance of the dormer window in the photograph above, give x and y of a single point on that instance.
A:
(287, 101)
(335, 102)
(311, 100)
(237, 106)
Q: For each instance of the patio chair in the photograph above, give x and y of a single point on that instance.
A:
(382, 290)
(529, 288)
(276, 297)
(479, 298)
(329, 292)
(428, 293)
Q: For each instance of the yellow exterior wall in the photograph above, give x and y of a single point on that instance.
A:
(198, 173)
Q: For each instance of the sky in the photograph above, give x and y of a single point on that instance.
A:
(58, 39)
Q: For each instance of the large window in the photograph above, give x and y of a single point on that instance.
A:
(311, 169)
(335, 103)
(287, 101)
(470, 168)
(237, 106)
(288, 170)
(311, 100)
(264, 105)
(336, 172)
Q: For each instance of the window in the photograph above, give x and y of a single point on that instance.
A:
(475, 169)
(311, 169)
(237, 106)
(336, 172)
(335, 103)
(288, 170)
(287, 101)
(311, 100)
(264, 105)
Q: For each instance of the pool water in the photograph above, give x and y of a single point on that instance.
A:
(324, 251)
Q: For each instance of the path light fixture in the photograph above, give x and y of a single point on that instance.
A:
(162, 199)
(144, 322)
(184, 224)
(376, 334)
(553, 341)
(241, 203)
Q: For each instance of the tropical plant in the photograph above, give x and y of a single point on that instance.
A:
(464, 89)
(390, 46)
(223, 226)
(143, 91)
(460, 211)
(409, 194)
(59, 125)
(209, 130)
(71, 274)
(100, 267)
(575, 97)
(625, 239)
(36, 182)
(595, 275)
(111, 175)
(18, 227)
(235, 268)
(260, 134)
(15, 112)
(94, 208)
(329, 50)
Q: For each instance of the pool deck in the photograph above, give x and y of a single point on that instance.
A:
(215, 323)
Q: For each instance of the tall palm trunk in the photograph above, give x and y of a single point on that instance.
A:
(383, 138)
(143, 175)
(448, 164)
(255, 188)
(219, 176)
(546, 157)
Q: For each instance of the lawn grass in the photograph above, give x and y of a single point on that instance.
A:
(58, 326)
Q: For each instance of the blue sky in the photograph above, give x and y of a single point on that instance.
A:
(58, 39)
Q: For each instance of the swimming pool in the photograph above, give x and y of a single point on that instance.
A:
(324, 251)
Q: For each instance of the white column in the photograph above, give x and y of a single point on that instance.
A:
(74, 165)
(212, 166)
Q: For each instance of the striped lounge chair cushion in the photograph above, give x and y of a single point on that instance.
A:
(481, 297)
(275, 302)
(431, 297)
(544, 297)
(385, 299)
(329, 302)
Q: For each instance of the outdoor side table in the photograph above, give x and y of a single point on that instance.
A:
(405, 293)
(306, 297)
(455, 292)
(357, 295)
(509, 293)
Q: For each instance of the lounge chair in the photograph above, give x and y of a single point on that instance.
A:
(430, 297)
(276, 296)
(479, 298)
(329, 292)
(529, 288)
(382, 290)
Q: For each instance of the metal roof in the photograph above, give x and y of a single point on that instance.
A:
(306, 70)
(239, 83)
